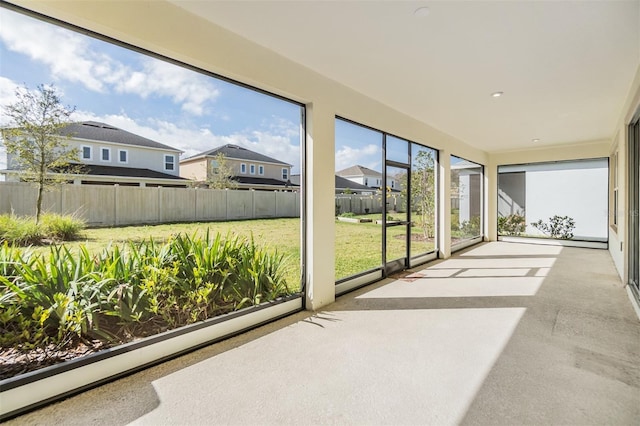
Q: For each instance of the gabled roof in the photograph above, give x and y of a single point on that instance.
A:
(341, 183)
(358, 171)
(249, 180)
(93, 130)
(237, 153)
(98, 170)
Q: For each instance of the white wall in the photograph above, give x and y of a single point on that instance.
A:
(576, 189)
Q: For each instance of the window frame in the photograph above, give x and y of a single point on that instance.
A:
(260, 169)
(172, 162)
(285, 173)
(90, 148)
(104, 149)
(243, 168)
(252, 169)
(126, 156)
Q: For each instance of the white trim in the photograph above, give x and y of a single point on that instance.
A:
(102, 151)
(359, 281)
(252, 169)
(126, 161)
(16, 399)
(82, 157)
(260, 169)
(243, 168)
(554, 242)
(634, 301)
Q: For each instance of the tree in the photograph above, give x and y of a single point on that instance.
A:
(221, 176)
(35, 141)
(423, 194)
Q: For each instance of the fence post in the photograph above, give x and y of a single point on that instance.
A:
(115, 205)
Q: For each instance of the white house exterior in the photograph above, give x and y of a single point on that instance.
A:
(110, 155)
(367, 177)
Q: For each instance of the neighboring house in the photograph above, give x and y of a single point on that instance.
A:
(110, 155)
(342, 186)
(367, 177)
(250, 169)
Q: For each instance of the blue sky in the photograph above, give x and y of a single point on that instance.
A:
(152, 98)
(167, 103)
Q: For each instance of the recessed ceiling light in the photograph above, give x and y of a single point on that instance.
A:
(535, 140)
(421, 11)
(497, 94)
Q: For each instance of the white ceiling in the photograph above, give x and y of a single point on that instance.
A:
(565, 67)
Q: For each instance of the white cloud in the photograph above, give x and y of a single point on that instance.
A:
(368, 156)
(70, 56)
(7, 96)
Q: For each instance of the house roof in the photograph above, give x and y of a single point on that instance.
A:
(248, 180)
(238, 153)
(97, 131)
(358, 170)
(341, 183)
(98, 170)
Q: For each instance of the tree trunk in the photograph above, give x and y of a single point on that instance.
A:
(39, 202)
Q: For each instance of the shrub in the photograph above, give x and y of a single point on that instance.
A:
(24, 231)
(64, 296)
(514, 224)
(61, 227)
(558, 227)
(20, 231)
(470, 228)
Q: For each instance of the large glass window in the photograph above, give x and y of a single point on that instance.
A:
(564, 200)
(358, 162)
(167, 123)
(466, 200)
(423, 199)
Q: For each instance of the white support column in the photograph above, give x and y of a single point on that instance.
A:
(490, 202)
(444, 209)
(320, 194)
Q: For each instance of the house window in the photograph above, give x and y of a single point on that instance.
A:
(366, 181)
(169, 162)
(123, 155)
(86, 153)
(243, 168)
(105, 154)
(260, 170)
(377, 182)
(252, 169)
(285, 174)
(393, 184)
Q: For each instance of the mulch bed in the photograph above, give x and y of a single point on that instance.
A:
(16, 361)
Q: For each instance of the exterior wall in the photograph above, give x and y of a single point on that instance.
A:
(198, 170)
(195, 170)
(137, 157)
(112, 205)
(618, 246)
(575, 189)
(511, 193)
(271, 171)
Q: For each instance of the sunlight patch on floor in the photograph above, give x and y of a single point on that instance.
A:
(348, 367)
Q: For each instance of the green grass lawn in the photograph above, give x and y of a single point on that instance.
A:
(357, 246)
(282, 235)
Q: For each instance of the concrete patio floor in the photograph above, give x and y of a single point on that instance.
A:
(502, 333)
